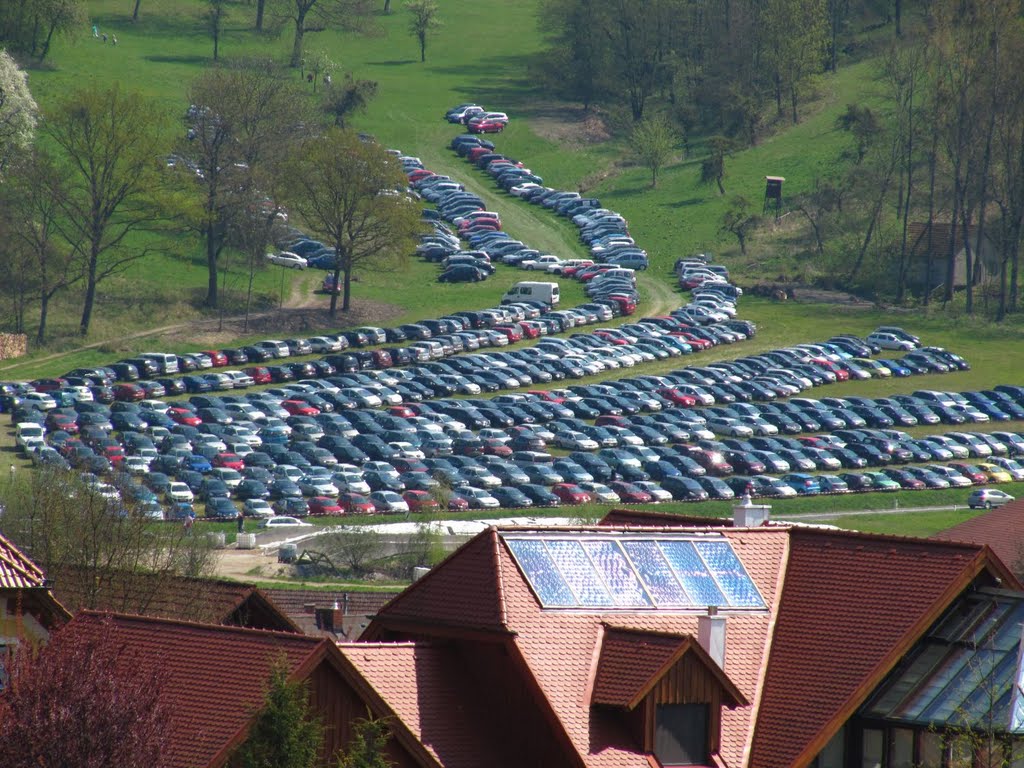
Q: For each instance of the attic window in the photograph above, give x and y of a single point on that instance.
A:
(681, 734)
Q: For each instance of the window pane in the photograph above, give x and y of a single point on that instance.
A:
(579, 573)
(872, 748)
(832, 755)
(656, 573)
(902, 755)
(681, 734)
(617, 573)
(931, 750)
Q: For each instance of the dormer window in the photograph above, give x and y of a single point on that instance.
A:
(681, 734)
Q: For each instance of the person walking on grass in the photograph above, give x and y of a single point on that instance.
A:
(241, 521)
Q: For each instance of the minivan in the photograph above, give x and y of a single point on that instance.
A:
(532, 291)
(165, 363)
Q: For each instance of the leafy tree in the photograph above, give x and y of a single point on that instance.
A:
(18, 112)
(796, 33)
(863, 124)
(285, 733)
(356, 549)
(653, 142)
(348, 192)
(81, 702)
(110, 149)
(30, 26)
(215, 16)
(368, 746)
(342, 100)
(243, 117)
(424, 20)
(738, 220)
(577, 65)
(713, 166)
(67, 527)
(318, 64)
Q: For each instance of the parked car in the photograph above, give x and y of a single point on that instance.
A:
(987, 498)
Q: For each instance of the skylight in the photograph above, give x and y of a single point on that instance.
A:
(633, 572)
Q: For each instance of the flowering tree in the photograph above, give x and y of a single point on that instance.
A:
(81, 702)
(18, 111)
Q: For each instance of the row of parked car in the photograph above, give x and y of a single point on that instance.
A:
(476, 118)
(647, 438)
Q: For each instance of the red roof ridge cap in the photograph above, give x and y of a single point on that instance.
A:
(495, 543)
(926, 543)
(595, 658)
(137, 618)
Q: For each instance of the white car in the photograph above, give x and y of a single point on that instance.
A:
(30, 436)
(601, 492)
(890, 341)
(287, 259)
(136, 465)
(178, 492)
(576, 441)
(389, 502)
(658, 494)
(477, 497)
(722, 425)
(39, 400)
(284, 521)
(323, 344)
(239, 380)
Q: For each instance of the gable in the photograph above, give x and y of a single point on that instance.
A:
(851, 606)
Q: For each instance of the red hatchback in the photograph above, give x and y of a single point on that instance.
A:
(420, 501)
(486, 126)
(184, 416)
(629, 493)
(355, 504)
(229, 460)
(129, 392)
(324, 505)
(218, 358)
(299, 408)
(676, 397)
(570, 493)
(260, 375)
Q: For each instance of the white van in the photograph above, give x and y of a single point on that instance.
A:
(166, 363)
(532, 291)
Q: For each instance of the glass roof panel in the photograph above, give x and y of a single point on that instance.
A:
(618, 574)
(540, 571)
(579, 573)
(693, 573)
(730, 574)
(656, 573)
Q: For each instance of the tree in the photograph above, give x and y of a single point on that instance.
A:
(348, 192)
(215, 15)
(738, 220)
(57, 17)
(18, 112)
(862, 123)
(284, 734)
(653, 142)
(796, 33)
(713, 166)
(368, 746)
(318, 64)
(424, 20)
(348, 98)
(69, 528)
(243, 116)
(33, 200)
(82, 702)
(317, 15)
(110, 148)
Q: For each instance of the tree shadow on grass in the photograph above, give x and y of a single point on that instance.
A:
(497, 90)
(392, 63)
(178, 59)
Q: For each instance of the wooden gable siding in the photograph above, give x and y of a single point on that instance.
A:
(338, 706)
(687, 682)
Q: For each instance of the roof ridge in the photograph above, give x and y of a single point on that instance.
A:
(927, 543)
(496, 542)
(136, 618)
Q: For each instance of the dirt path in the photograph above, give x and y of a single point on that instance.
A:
(657, 297)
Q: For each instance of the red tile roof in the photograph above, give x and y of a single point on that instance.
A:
(16, 570)
(464, 591)
(424, 686)
(210, 601)
(851, 606)
(213, 676)
(1000, 529)
(355, 608)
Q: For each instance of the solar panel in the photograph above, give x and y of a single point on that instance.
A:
(587, 571)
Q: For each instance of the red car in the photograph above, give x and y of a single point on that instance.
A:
(828, 365)
(260, 375)
(676, 397)
(402, 411)
(324, 505)
(62, 421)
(299, 408)
(420, 173)
(550, 397)
(184, 416)
(512, 333)
(229, 460)
(355, 504)
(570, 493)
(612, 337)
(608, 419)
(529, 329)
(629, 493)
(114, 454)
(48, 385)
(486, 126)
(129, 392)
(627, 306)
(694, 341)
(420, 501)
(458, 503)
(219, 358)
(477, 152)
(972, 473)
(493, 446)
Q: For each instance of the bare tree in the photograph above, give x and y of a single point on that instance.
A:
(738, 220)
(318, 15)
(110, 149)
(215, 16)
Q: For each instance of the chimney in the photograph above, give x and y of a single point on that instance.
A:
(325, 619)
(419, 572)
(749, 515)
(711, 635)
